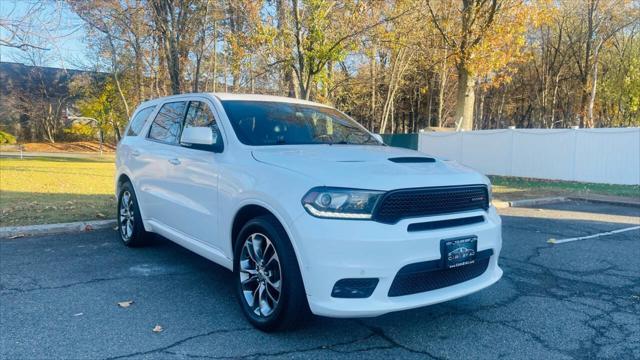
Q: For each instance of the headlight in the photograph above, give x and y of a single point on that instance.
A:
(326, 202)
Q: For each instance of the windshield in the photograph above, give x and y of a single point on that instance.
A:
(280, 123)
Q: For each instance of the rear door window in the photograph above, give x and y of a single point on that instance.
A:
(138, 121)
(167, 125)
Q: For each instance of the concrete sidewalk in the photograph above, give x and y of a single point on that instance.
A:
(52, 229)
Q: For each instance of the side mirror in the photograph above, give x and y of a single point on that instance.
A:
(378, 137)
(204, 138)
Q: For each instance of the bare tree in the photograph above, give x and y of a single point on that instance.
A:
(173, 21)
(24, 30)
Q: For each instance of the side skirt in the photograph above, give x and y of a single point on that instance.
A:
(189, 243)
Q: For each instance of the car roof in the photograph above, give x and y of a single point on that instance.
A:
(257, 97)
(232, 97)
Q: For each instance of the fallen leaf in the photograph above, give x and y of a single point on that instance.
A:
(157, 329)
(115, 228)
(125, 304)
(16, 236)
(100, 215)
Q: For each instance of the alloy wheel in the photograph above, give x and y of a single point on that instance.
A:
(126, 215)
(260, 275)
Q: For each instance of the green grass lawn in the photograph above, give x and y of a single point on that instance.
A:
(514, 188)
(54, 190)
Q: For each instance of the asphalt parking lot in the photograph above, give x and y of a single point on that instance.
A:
(580, 299)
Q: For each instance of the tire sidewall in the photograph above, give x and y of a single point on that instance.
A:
(137, 219)
(281, 243)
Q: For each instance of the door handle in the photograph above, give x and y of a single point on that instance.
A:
(135, 153)
(174, 161)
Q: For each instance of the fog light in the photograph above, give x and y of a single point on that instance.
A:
(354, 288)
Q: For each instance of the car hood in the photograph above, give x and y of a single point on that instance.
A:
(367, 167)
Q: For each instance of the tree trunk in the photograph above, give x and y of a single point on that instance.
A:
(499, 119)
(584, 79)
(393, 118)
(214, 69)
(418, 107)
(594, 84)
(480, 122)
(443, 83)
(116, 128)
(48, 125)
(226, 71)
(300, 70)
(372, 114)
(116, 78)
(465, 99)
(138, 74)
(196, 77)
(286, 74)
(430, 102)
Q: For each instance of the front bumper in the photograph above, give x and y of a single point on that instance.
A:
(330, 250)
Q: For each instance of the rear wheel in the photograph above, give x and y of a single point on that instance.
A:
(269, 285)
(130, 225)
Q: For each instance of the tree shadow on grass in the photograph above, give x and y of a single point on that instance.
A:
(28, 208)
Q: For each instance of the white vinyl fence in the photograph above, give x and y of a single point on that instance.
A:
(589, 155)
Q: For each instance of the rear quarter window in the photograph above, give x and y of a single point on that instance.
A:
(138, 121)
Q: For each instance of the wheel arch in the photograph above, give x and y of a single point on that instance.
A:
(121, 180)
(252, 210)
(243, 215)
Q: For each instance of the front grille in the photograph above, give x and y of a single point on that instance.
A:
(411, 280)
(401, 204)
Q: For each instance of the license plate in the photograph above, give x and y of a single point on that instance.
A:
(459, 251)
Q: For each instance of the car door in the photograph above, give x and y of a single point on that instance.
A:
(157, 159)
(195, 179)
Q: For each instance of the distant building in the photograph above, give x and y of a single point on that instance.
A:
(34, 99)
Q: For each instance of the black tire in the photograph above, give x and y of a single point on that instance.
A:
(291, 309)
(135, 235)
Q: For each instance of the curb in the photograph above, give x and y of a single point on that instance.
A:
(558, 199)
(539, 201)
(528, 202)
(607, 200)
(13, 232)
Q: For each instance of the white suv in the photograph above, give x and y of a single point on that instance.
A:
(313, 213)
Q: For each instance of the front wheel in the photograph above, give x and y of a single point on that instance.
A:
(130, 225)
(269, 284)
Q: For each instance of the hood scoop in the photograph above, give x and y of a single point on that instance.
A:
(412, 160)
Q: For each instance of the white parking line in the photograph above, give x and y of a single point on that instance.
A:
(555, 241)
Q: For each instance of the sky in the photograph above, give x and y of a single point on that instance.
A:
(55, 27)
